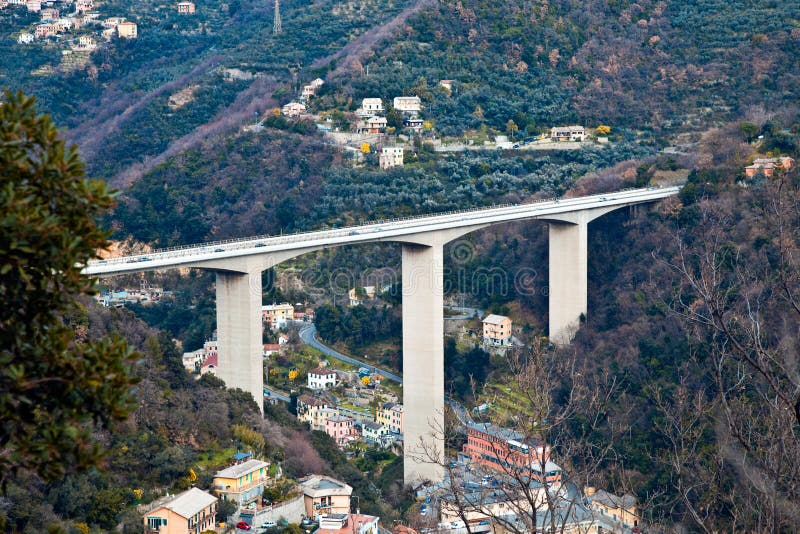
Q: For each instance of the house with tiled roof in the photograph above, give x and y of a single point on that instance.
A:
(191, 511)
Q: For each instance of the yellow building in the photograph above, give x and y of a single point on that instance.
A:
(127, 30)
(315, 411)
(497, 330)
(618, 509)
(242, 483)
(190, 511)
(325, 495)
(390, 415)
(277, 315)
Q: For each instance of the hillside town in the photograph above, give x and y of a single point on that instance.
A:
(391, 128)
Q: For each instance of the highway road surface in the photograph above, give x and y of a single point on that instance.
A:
(308, 335)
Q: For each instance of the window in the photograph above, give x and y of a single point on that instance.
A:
(156, 522)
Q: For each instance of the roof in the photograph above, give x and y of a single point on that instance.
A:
(499, 432)
(211, 360)
(352, 523)
(339, 418)
(322, 371)
(310, 400)
(320, 485)
(611, 500)
(495, 319)
(372, 425)
(241, 469)
(242, 455)
(188, 503)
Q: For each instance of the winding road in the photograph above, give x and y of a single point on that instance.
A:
(308, 335)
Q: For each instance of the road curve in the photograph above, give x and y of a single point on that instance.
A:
(308, 334)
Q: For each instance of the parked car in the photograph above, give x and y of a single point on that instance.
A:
(241, 525)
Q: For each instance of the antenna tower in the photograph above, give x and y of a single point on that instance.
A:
(276, 28)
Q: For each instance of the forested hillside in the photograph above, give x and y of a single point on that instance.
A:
(660, 65)
(692, 306)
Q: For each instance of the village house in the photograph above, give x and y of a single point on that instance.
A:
(311, 89)
(127, 30)
(65, 23)
(277, 316)
(193, 360)
(348, 524)
(322, 378)
(25, 38)
(341, 428)
(191, 511)
(370, 106)
(371, 125)
(33, 5)
(209, 365)
(447, 84)
(82, 6)
(497, 330)
(46, 30)
(112, 22)
(293, 109)
(391, 156)
(618, 509)
(407, 104)
(270, 349)
(567, 133)
(242, 483)
(413, 123)
(3, 3)
(356, 300)
(325, 495)
(49, 14)
(373, 432)
(767, 166)
(315, 410)
(391, 416)
(86, 43)
(186, 8)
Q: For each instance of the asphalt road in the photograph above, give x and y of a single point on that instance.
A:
(308, 335)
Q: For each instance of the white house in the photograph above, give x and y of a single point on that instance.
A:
(371, 106)
(321, 378)
(568, 133)
(391, 156)
(293, 109)
(25, 38)
(408, 104)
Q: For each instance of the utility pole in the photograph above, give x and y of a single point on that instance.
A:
(276, 28)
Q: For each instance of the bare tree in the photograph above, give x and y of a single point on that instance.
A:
(739, 296)
(563, 415)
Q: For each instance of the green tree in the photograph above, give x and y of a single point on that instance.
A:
(511, 128)
(56, 386)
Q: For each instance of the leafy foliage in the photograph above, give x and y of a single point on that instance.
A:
(55, 385)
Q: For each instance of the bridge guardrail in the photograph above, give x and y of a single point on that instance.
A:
(346, 230)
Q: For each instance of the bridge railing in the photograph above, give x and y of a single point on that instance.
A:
(336, 232)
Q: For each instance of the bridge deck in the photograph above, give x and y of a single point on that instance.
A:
(375, 231)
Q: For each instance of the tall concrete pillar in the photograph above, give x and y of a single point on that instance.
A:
(239, 333)
(568, 266)
(423, 363)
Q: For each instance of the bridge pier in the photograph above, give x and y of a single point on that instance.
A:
(568, 273)
(239, 333)
(423, 363)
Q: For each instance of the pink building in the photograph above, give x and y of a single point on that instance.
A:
(341, 429)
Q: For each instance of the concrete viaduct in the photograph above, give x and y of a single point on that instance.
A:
(238, 265)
